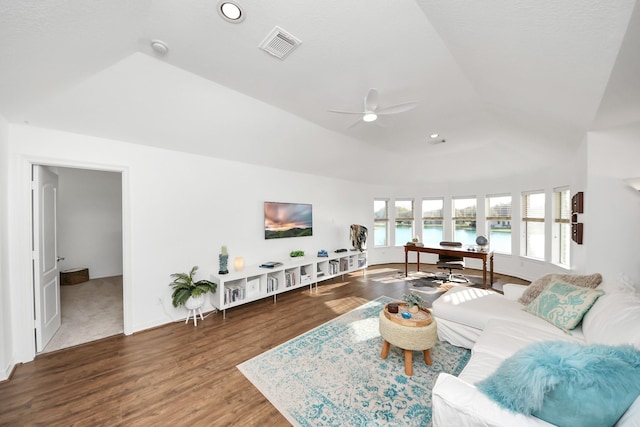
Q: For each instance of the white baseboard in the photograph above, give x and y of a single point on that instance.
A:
(6, 372)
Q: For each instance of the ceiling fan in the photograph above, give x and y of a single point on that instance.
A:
(372, 110)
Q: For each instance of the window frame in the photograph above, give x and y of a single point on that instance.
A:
(490, 218)
(455, 218)
(433, 218)
(384, 221)
(561, 233)
(403, 219)
(526, 220)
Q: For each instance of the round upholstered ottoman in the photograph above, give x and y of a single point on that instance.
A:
(408, 338)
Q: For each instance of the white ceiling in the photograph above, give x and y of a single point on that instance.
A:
(512, 85)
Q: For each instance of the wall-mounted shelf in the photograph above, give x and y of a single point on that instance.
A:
(577, 202)
(254, 283)
(577, 207)
(576, 232)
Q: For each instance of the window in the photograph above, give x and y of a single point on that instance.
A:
(464, 220)
(499, 223)
(380, 222)
(561, 227)
(533, 224)
(404, 222)
(432, 217)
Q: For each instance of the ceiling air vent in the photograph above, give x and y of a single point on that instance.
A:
(279, 43)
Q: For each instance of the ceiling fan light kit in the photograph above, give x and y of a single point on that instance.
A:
(370, 117)
(371, 110)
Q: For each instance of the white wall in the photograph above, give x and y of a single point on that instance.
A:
(90, 221)
(179, 209)
(612, 209)
(571, 174)
(6, 358)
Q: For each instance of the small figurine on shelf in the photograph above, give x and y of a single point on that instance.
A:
(224, 258)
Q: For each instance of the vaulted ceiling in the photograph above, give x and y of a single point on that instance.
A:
(509, 85)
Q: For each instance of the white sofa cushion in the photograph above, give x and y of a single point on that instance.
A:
(474, 308)
(456, 401)
(500, 340)
(457, 334)
(460, 404)
(613, 320)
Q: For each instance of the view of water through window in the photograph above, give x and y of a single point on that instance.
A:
(499, 240)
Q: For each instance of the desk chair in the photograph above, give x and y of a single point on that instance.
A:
(452, 263)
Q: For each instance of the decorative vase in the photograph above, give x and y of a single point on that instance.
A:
(194, 302)
(414, 309)
(223, 264)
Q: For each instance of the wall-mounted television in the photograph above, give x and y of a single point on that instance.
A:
(287, 220)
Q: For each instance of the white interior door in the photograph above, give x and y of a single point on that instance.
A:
(45, 259)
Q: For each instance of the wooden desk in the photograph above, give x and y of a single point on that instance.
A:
(451, 251)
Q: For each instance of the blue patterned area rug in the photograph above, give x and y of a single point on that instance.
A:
(333, 375)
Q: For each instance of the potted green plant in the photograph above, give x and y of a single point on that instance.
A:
(187, 292)
(413, 301)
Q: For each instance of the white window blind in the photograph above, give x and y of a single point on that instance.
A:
(404, 209)
(464, 209)
(562, 227)
(533, 207)
(563, 207)
(432, 209)
(499, 208)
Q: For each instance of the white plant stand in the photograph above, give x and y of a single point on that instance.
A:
(194, 305)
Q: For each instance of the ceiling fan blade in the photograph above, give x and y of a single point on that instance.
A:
(346, 112)
(371, 100)
(352, 125)
(398, 108)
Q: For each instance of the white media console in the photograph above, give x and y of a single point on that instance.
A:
(253, 283)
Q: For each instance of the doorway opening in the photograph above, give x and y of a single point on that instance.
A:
(87, 220)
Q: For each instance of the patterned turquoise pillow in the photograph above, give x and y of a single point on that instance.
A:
(563, 304)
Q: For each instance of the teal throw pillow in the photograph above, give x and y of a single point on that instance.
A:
(568, 384)
(563, 304)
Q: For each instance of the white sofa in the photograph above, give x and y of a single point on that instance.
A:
(495, 326)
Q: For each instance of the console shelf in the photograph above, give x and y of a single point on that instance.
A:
(254, 283)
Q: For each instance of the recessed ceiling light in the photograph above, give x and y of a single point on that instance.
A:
(434, 135)
(230, 11)
(370, 117)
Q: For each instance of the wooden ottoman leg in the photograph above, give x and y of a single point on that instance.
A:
(427, 356)
(385, 349)
(408, 362)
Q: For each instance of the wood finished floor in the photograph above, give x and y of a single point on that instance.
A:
(180, 375)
